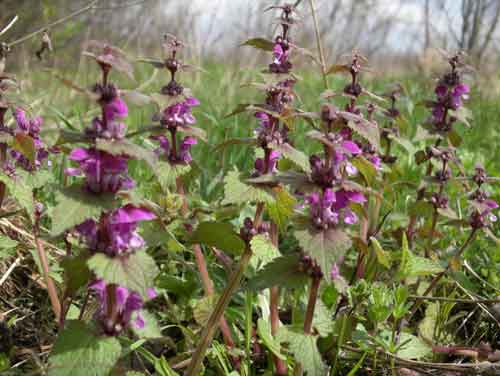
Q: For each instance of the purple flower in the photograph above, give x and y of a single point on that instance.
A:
(260, 164)
(117, 108)
(179, 114)
(184, 152)
(116, 232)
(103, 172)
(321, 209)
(264, 119)
(125, 312)
(335, 272)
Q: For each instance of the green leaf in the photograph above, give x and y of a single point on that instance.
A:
(219, 235)
(4, 362)
(366, 168)
(203, 308)
(176, 285)
(136, 271)
(413, 347)
(454, 138)
(21, 192)
(263, 251)
(238, 192)
(264, 332)
(260, 43)
(167, 173)
(382, 256)
(304, 349)
(463, 115)
(242, 107)
(163, 368)
(296, 156)
(323, 319)
(76, 272)
(282, 209)
(367, 130)
(420, 267)
(75, 205)
(127, 147)
(79, 352)
(427, 327)
(24, 144)
(235, 141)
(194, 131)
(282, 271)
(151, 328)
(338, 68)
(326, 246)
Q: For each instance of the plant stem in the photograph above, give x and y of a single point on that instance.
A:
(201, 263)
(311, 304)
(319, 43)
(281, 368)
(51, 288)
(438, 277)
(211, 326)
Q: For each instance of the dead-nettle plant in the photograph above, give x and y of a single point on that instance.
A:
(331, 254)
(108, 255)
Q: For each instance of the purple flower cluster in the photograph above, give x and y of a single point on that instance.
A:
(114, 110)
(30, 127)
(450, 93)
(178, 115)
(330, 208)
(119, 307)
(115, 234)
(281, 53)
(482, 206)
(103, 172)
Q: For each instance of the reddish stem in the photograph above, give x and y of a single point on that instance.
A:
(208, 285)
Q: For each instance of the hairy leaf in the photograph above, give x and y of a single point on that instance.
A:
(220, 235)
(24, 144)
(75, 205)
(367, 130)
(296, 156)
(151, 328)
(382, 256)
(263, 251)
(260, 43)
(167, 173)
(135, 272)
(238, 192)
(326, 246)
(128, 148)
(282, 209)
(366, 168)
(282, 271)
(264, 332)
(79, 352)
(413, 347)
(304, 349)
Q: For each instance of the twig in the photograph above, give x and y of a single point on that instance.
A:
(90, 6)
(10, 270)
(465, 301)
(51, 287)
(440, 275)
(319, 43)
